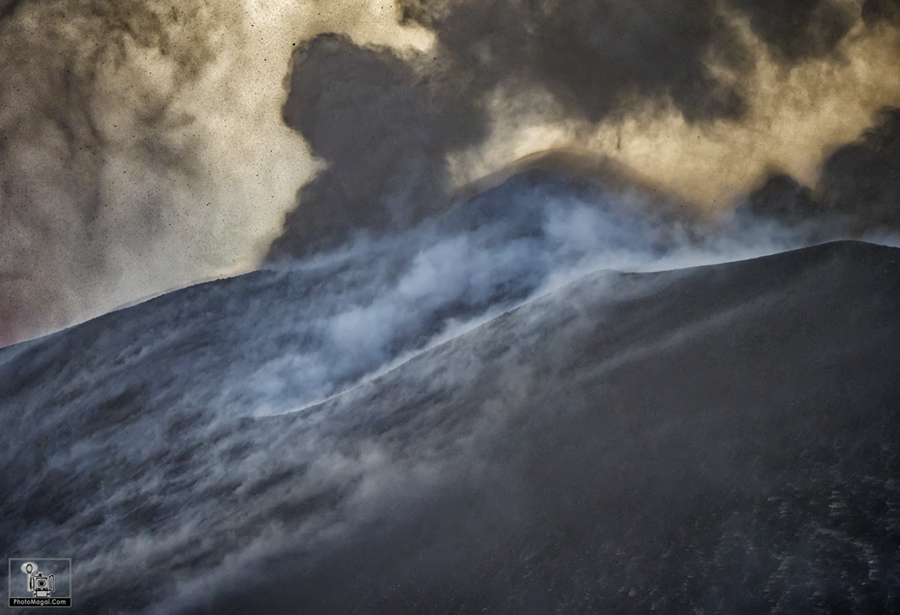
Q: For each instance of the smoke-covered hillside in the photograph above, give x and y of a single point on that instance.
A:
(548, 306)
(713, 439)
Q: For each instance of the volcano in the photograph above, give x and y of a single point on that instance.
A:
(721, 438)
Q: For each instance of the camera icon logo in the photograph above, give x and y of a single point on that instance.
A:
(43, 582)
(39, 585)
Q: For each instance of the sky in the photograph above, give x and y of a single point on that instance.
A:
(147, 145)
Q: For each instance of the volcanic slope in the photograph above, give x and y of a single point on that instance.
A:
(716, 439)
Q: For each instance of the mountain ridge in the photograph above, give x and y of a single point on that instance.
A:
(650, 431)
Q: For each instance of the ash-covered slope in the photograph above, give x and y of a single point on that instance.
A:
(715, 439)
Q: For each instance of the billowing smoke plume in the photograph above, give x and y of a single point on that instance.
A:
(502, 67)
(385, 128)
(142, 146)
(145, 145)
(859, 187)
(114, 184)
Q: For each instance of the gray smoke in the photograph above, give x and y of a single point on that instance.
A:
(140, 148)
(858, 189)
(874, 11)
(55, 150)
(385, 126)
(135, 153)
(385, 123)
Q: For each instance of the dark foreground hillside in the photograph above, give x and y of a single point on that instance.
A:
(717, 439)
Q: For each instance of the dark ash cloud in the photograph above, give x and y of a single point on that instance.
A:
(108, 174)
(858, 189)
(385, 122)
(862, 179)
(782, 197)
(384, 125)
(591, 56)
(875, 11)
(798, 29)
